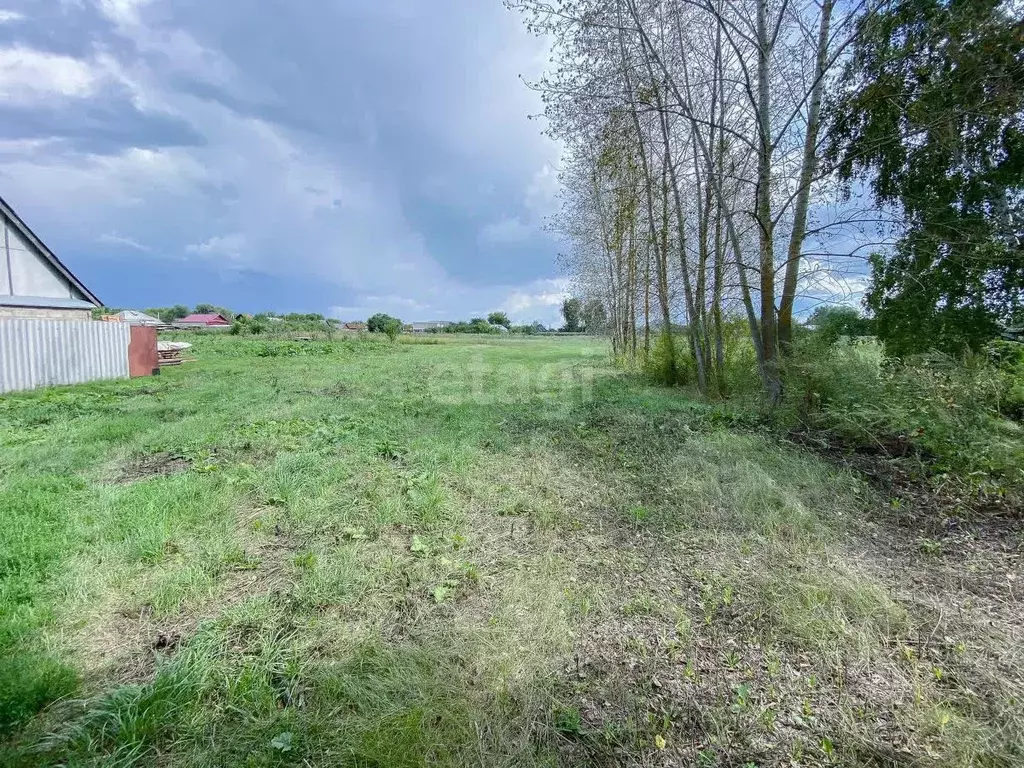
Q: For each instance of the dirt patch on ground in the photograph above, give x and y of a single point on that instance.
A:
(905, 475)
(152, 465)
(683, 658)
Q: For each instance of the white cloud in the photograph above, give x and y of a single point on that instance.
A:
(9, 17)
(82, 192)
(124, 13)
(113, 238)
(174, 49)
(504, 231)
(28, 76)
(539, 300)
(227, 246)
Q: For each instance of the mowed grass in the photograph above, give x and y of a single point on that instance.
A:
(495, 552)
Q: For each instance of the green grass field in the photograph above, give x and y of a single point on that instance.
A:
(492, 552)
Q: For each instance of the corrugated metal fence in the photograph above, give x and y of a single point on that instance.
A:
(42, 353)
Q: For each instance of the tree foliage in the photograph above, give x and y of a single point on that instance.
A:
(391, 328)
(831, 323)
(932, 117)
(379, 322)
(572, 313)
(595, 319)
(499, 319)
(211, 309)
(476, 325)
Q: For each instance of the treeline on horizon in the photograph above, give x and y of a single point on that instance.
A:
(496, 322)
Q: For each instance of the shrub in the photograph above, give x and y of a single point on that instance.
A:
(1008, 358)
(476, 325)
(948, 411)
(377, 323)
(392, 328)
(671, 360)
(833, 323)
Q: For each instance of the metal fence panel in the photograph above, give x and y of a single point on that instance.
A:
(44, 353)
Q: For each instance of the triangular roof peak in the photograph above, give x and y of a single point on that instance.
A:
(30, 236)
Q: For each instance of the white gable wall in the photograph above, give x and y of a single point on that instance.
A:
(27, 272)
(5, 280)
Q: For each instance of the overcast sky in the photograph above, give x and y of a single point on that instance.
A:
(340, 156)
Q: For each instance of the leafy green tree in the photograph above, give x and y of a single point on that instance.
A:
(931, 116)
(499, 318)
(476, 325)
(831, 323)
(392, 328)
(572, 311)
(595, 319)
(377, 323)
(212, 309)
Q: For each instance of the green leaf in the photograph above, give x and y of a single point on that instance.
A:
(282, 742)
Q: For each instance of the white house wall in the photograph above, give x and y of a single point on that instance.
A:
(30, 273)
(5, 280)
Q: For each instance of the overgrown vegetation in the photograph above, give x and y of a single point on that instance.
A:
(943, 420)
(476, 551)
(744, 160)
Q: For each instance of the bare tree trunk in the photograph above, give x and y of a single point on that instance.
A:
(647, 302)
(645, 170)
(807, 172)
(663, 294)
(730, 226)
(716, 167)
(632, 281)
(716, 306)
(763, 210)
(669, 166)
(696, 324)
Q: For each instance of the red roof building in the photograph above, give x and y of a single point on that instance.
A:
(204, 320)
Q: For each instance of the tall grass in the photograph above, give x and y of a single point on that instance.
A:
(959, 417)
(954, 415)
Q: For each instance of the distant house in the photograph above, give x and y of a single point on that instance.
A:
(204, 321)
(429, 325)
(354, 326)
(132, 317)
(33, 281)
